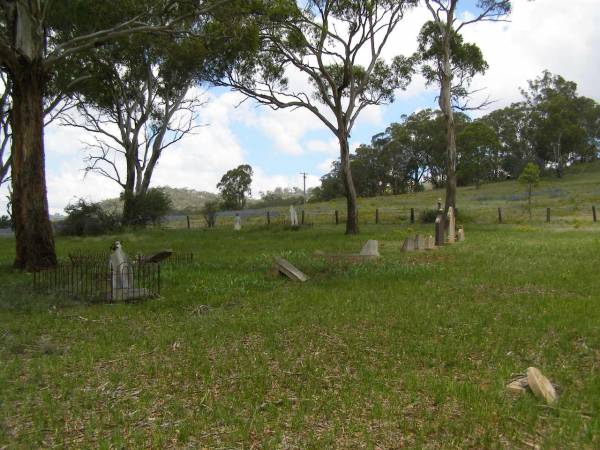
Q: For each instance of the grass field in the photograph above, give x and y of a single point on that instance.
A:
(410, 351)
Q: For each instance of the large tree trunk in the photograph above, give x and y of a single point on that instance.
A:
(446, 107)
(33, 230)
(351, 217)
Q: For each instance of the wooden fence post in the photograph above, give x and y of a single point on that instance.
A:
(268, 218)
(188, 221)
(499, 215)
(594, 213)
(547, 214)
(302, 217)
(412, 215)
(337, 217)
(377, 215)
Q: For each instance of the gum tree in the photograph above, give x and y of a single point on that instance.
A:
(336, 45)
(37, 38)
(451, 63)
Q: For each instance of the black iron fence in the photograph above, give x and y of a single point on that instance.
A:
(175, 258)
(93, 281)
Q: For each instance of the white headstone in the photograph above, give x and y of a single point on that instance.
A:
(451, 226)
(122, 273)
(419, 242)
(371, 248)
(429, 243)
(460, 236)
(293, 216)
(237, 223)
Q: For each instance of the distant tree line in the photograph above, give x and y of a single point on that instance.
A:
(552, 127)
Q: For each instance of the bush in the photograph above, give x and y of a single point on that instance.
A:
(428, 216)
(5, 222)
(210, 212)
(87, 218)
(148, 208)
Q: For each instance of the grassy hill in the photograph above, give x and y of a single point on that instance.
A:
(413, 350)
(184, 200)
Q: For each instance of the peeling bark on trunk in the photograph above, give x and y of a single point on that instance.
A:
(351, 218)
(33, 230)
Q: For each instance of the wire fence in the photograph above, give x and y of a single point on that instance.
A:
(506, 214)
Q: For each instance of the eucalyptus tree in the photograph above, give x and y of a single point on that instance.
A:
(37, 38)
(136, 102)
(451, 63)
(5, 155)
(336, 45)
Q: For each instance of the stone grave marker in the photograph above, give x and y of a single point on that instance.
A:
(408, 245)
(286, 268)
(293, 216)
(158, 257)
(460, 236)
(122, 276)
(419, 242)
(371, 248)
(451, 226)
(439, 231)
(237, 222)
(429, 243)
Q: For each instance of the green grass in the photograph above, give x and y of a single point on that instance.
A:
(413, 350)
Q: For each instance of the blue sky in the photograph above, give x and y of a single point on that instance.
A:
(550, 34)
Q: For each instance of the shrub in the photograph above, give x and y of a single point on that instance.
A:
(5, 222)
(87, 218)
(209, 211)
(148, 208)
(428, 216)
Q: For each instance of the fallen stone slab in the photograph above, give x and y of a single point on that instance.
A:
(541, 386)
(158, 257)
(286, 268)
(518, 386)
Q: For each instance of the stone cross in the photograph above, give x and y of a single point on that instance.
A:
(451, 226)
(237, 222)
(293, 216)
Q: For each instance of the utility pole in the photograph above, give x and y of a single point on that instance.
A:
(304, 175)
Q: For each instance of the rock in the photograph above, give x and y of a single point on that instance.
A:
(408, 245)
(289, 270)
(371, 248)
(518, 386)
(541, 386)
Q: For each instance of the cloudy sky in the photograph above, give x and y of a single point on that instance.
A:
(558, 35)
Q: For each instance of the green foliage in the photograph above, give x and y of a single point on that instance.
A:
(148, 208)
(235, 187)
(209, 212)
(428, 215)
(87, 218)
(530, 175)
(5, 222)
(280, 197)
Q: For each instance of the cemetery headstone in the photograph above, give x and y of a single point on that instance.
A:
(284, 267)
(451, 226)
(371, 248)
(408, 245)
(293, 216)
(122, 273)
(429, 243)
(439, 231)
(237, 222)
(540, 385)
(419, 242)
(158, 257)
(460, 236)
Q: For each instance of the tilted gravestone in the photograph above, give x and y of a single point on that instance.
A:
(371, 248)
(408, 245)
(451, 226)
(284, 267)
